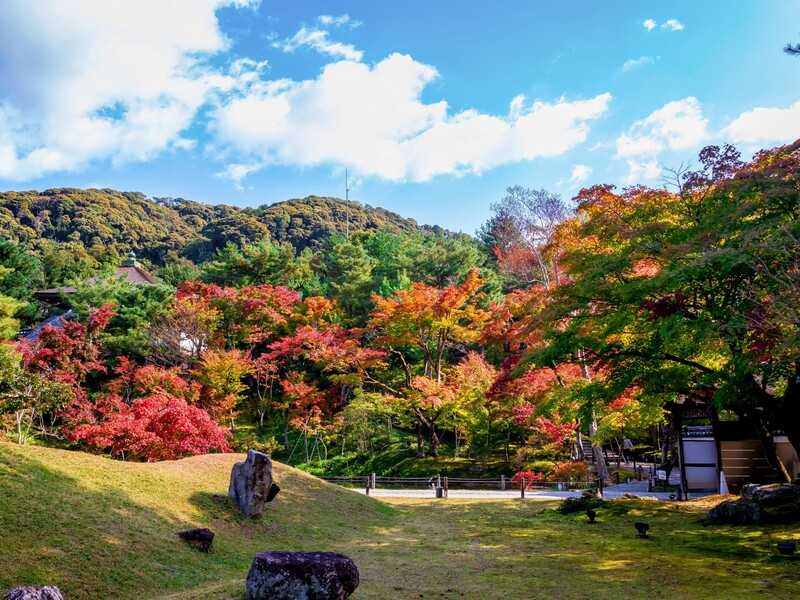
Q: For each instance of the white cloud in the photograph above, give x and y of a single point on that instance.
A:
(639, 171)
(649, 24)
(318, 40)
(122, 82)
(678, 125)
(372, 120)
(672, 25)
(635, 63)
(580, 173)
(516, 106)
(236, 172)
(765, 125)
(102, 80)
(338, 21)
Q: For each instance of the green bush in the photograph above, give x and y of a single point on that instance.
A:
(247, 441)
(625, 474)
(585, 502)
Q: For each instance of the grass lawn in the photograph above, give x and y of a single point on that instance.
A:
(99, 528)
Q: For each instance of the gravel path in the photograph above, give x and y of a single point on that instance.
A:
(538, 495)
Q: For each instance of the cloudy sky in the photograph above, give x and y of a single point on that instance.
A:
(433, 107)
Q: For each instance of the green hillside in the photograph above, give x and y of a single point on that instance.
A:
(307, 221)
(113, 223)
(100, 528)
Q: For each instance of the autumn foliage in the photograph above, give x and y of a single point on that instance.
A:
(158, 426)
(562, 323)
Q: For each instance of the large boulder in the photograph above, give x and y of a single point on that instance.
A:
(735, 512)
(306, 575)
(251, 483)
(48, 592)
(773, 503)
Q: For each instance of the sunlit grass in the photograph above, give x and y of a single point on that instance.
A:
(105, 529)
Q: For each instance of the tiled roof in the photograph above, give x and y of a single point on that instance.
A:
(56, 322)
(132, 274)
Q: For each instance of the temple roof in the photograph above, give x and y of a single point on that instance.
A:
(129, 271)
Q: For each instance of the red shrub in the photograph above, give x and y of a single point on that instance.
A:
(528, 477)
(156, 427)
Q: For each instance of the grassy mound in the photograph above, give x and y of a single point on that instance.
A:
(99, 528)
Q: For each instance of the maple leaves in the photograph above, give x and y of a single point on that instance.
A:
(70, 353)
(146, 412)
(526, 478)
(158, 426)
(427, 321)
(430, 319)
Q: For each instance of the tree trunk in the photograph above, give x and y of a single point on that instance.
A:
(286, 431)
(790, 409)
(434, 441)
(597, 453)
(420, 442)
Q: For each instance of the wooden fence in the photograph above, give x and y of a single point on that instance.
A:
(446, 483)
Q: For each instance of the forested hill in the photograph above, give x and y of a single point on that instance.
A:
(108, 222)
(305, 222)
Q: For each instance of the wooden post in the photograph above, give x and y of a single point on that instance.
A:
(446, 486)
(684, 487)
(369, 480)
(522, 488)
(373, 483)
(502, 482)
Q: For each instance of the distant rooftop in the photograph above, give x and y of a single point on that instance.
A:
(129, 271)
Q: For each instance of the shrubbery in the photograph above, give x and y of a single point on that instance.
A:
(586, 501)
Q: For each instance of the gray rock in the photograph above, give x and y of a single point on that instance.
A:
(251, 483)
(779, 502)
(48, 592)
(735, 512)
(301, 576)
(773, 503)
(748, 489)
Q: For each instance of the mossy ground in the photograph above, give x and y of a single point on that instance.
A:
(105, 529)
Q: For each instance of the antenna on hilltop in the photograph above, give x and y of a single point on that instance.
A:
(346, 205)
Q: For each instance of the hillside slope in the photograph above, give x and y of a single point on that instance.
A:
(308, 221)
(100, 528)
(109, 221)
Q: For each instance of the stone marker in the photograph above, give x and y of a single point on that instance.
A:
(48, 592)
(306, 575)
(773, 503)
(201, 538)
(251, 483)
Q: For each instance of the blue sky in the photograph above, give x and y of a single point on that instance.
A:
(434, 107)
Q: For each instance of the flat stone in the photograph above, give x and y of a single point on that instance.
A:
(301, 576)
(48, 592)
(200, 538)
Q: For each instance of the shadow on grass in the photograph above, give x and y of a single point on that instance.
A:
(94, 539)
(90, 542)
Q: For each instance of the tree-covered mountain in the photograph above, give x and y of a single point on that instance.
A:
(308, 221)
(107, 224)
